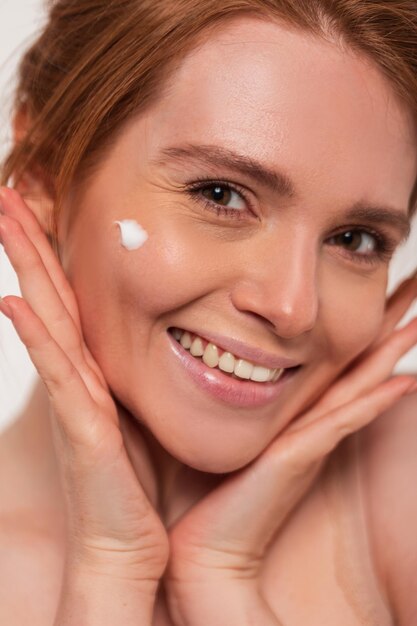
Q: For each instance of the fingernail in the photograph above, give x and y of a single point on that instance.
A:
(5, 309)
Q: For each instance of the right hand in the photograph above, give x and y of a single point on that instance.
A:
(113, 528)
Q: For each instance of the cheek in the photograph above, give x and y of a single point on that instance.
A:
(353, 316)
(173, 268)
(176, 267)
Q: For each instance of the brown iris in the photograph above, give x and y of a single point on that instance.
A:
(218, 194)
(351, 239)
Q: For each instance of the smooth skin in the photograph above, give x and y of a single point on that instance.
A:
(113, 528)
(306, 302)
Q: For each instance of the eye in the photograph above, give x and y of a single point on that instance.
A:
(364, 246)
(358, 241)
(224, 199)
(225, 196)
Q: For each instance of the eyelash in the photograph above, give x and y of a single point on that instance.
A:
(385, 246)
(205, 183)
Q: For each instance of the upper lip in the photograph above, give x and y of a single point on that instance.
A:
(243, 350)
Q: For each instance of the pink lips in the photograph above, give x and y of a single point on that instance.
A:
(223, 387)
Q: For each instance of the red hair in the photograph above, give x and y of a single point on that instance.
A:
(99, 62)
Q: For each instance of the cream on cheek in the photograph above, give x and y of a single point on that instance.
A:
(132, 234)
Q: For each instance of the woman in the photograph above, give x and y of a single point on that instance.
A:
(213, 389)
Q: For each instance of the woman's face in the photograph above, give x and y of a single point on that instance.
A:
(233, 253)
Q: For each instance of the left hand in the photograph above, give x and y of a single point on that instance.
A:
(218, 546)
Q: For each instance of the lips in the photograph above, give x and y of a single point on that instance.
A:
(224, 388)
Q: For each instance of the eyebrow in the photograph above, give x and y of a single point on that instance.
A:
(218, 156)
(278, 181)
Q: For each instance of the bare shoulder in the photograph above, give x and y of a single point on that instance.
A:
(389, 462)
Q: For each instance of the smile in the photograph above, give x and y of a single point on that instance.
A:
(215, 357)
(235, 387)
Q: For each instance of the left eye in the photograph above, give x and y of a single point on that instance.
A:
(225, 196)
(356, 241)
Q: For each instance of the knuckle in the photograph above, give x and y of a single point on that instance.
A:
(63, 326)
(69, 295)
(13, 228)
(33, 262)
(344, 429)
(63, 376)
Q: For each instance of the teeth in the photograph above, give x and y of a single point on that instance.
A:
(186, 340)
(211, 355)
(197, 348)
(261, 374)
(227, 362)
(271, 375)
(243, 369)
(277, 375)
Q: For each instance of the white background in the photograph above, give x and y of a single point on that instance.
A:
(19, 20)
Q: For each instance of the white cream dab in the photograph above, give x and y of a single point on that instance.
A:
(132, 235)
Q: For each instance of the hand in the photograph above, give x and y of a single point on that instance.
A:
(113, 529)
(218, 546)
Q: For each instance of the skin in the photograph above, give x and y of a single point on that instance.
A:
(269, 279)
(306, 302)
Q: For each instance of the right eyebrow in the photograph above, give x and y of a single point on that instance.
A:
(277, 181)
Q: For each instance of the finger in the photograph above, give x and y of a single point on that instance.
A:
(39, 291)
(397, 306)
(109, 514)
(67, 391)
(295, 459)
(13, 205)
(366, 375)
(37, 287)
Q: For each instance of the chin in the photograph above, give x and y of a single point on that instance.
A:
(211, 457)
(215, 466)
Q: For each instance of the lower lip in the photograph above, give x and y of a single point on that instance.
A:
(222, 387)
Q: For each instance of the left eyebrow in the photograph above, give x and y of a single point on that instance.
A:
(362, 211)
(279, 182)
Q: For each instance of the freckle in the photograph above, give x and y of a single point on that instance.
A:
(132, 234)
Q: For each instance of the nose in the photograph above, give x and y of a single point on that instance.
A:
(279, 283)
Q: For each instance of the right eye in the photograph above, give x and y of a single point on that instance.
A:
(222, 198)
(223, 195)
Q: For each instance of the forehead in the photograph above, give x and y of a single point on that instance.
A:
(292, 100)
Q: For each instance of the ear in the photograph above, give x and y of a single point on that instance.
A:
(32, 184)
